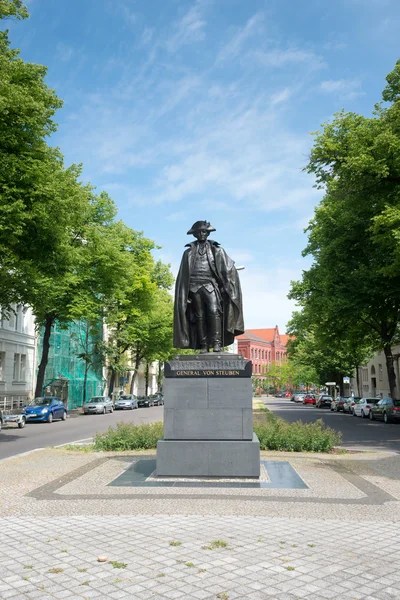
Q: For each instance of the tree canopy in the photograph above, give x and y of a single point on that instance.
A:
(350, 295)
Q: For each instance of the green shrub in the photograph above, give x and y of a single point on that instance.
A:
(128, 436)
(276, 434)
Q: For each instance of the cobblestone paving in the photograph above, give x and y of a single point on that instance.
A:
(339, 539)
(184, 557)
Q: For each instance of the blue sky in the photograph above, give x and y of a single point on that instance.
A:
(202, 109)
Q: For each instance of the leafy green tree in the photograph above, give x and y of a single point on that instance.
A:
(352, 288)
(129, 314)
(27, 106)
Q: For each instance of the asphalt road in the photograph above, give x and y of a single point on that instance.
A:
(356, 432)
(41, 435)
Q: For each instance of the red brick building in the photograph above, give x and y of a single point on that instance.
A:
(262, 347)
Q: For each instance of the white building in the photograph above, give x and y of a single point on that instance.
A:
(373, 377)
(17, 357)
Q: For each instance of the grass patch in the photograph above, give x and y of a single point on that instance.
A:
(189, 564)
(175, 543)
(127, 436)
(276, 434)
(118, 565)
(56, 570)
(215, 544)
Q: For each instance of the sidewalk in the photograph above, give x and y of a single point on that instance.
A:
(331, 531)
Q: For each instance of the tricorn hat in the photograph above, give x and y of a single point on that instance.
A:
(201, 225)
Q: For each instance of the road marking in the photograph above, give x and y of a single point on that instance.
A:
(75, 442)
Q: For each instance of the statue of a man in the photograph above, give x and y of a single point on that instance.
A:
(208, 300)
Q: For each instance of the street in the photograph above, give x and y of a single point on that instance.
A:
(41, 435)
(355, 430)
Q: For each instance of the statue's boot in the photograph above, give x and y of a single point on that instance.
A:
(202, 336)
(216, 334)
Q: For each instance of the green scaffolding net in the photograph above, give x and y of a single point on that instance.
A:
(65, 371)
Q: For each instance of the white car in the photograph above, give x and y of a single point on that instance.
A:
(362, 407)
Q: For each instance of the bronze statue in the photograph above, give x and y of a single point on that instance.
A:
(208, 299)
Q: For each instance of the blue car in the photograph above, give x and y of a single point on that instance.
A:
(47, 409)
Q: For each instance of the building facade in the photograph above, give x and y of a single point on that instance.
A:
(262, 347)
(373, 378)
(17, 357)
(65, 370)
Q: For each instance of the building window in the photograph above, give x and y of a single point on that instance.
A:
(19, 367)
(2, 365)
(11, 321)
(380, 373)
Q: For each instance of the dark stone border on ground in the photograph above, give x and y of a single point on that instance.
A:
(375, 496)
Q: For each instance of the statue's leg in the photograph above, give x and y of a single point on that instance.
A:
(214, 319)
(201, 324)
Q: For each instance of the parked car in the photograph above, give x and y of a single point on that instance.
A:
(280, 395)
(158, 399)
(145, 401)
(309, 399)
(1, 420)
(46, 408)
(98, 405)
(386, 409)
(297, 397)
(126, 401)
(363, 406)
(324, 401)
(337, 403)
(349, 403)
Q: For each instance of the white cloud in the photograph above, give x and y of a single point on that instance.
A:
(341, 87)
(265, 301)
(282, 96)
(235, 45)
(64, 52)
(281, 58)
(188, 30)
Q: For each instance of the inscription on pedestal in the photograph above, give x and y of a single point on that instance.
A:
(199, 366)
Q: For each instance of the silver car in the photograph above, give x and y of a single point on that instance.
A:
(126, 401)
(98, 405)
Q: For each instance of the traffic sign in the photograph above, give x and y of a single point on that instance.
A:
(346, 379)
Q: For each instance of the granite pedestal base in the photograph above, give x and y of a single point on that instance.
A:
(208, 418)
(208, 458)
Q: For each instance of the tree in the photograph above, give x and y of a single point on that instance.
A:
(328, 356)
(27, 106)
(155, 343)
(352, 289)
(128, 315)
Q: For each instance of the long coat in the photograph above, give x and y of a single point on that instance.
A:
(185, 334)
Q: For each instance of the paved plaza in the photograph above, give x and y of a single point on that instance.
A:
(336, 535)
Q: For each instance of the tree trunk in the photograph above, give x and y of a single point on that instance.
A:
(358, 381)
(87, 365)
(137, 363)
(112, 383)
(146, 379)
(45, 356)
(159, 377)
(390, 371)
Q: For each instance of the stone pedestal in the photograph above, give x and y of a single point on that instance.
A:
(208, 418)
